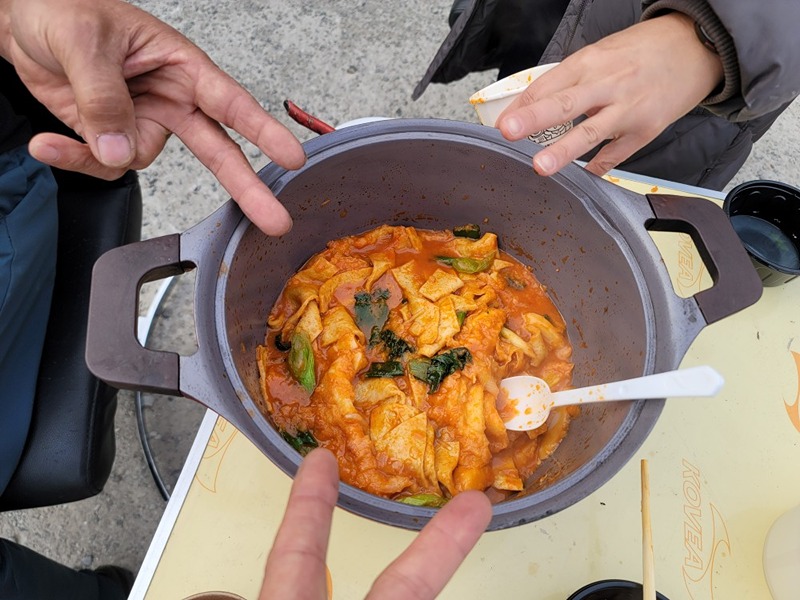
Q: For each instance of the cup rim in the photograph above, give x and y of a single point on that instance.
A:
(756, 183)
(480, 97)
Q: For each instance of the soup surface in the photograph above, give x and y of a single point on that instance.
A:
(387, 348)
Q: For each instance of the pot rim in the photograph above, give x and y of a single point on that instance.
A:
(637, 423)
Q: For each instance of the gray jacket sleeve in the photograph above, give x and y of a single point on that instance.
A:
(759, 48)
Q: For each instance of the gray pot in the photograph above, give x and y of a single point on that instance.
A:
(587, 241)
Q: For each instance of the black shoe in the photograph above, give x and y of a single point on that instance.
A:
(122, 577)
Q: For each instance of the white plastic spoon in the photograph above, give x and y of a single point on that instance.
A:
(527, 400)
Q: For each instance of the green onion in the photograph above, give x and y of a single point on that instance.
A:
(463, 264)
(432, 500)
(301, 361)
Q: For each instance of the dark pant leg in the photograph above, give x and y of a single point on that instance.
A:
(28, 232)
(28, 236)
(27, 575)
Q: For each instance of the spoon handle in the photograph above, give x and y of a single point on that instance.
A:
(694, 381)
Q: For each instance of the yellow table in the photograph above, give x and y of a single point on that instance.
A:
(722, 470)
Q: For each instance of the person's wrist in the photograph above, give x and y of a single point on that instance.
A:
(703, 56)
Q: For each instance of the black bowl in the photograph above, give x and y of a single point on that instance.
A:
(612, 589)
(766, 216)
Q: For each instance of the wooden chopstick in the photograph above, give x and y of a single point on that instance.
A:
(648, 567)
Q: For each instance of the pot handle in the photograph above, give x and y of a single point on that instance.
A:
(736, 283)
(113, 352)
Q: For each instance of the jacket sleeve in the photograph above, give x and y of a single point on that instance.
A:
(759, 48)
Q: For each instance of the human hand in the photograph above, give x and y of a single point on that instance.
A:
(631, 85)
(296, 565)
(125, 81)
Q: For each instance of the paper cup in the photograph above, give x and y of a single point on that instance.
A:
(782, 556)
(493, 100)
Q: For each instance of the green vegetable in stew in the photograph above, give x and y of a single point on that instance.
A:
(433, 370)
(431, 500)
(303, 442)
(390, 368)
(371, 311)
(514, 283)
(395, 346)
(463, 264)
(418, 367)
(301, 361)
(470, 231)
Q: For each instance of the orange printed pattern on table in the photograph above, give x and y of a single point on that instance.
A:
(704, 547)
(690, 267)
(218, 444)
(793, 410)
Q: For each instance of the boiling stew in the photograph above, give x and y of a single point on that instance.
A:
(387, 348)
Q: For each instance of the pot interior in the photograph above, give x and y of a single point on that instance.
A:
(438, 184)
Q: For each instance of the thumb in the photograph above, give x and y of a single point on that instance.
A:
(105, 108)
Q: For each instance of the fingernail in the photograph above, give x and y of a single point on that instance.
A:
(47, 153)
(114, 148)
(544, 163)
(513, 126)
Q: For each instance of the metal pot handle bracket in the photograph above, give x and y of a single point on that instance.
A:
(113, 352)
(736, 283)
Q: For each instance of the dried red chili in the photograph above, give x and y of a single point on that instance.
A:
(305, 119)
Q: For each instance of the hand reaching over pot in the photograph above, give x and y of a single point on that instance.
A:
(296, 564)
(125, 81)
(630, 85)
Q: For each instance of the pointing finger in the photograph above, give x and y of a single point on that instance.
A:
(296, 564)
(223, 157)
(424, 568)
(224, 100)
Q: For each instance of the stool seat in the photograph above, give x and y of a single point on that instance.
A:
(70, 446)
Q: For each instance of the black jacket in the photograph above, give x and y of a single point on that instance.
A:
(14, 129)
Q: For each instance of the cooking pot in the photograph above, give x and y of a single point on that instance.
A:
(586, 239)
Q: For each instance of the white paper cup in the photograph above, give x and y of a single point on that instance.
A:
(782, 556)
(492, 100)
